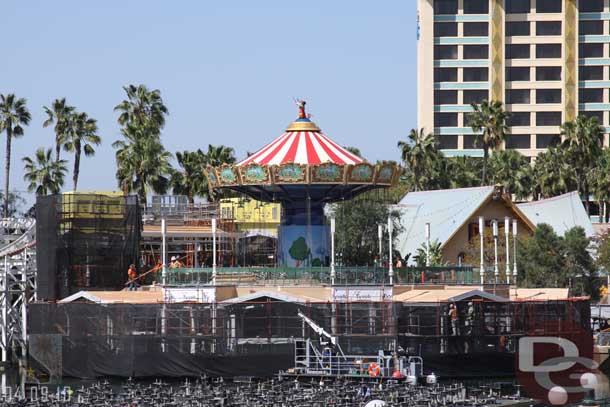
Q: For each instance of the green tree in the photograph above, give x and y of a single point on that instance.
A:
(599, 182)
(299, 250)
(190, 180)
(511, 169)
(143, 164)
(552, 174)
(583, 143)
(488, 121)
(14, 115)
(45, 175)
(81, 137)
(464, 172)
(219, 155)
(143, 108)
(603, 252)
(436, 255)
(578, 263)
(419, 154)
(356, 223)
(353, 150)
(540, 259)
(59, 113)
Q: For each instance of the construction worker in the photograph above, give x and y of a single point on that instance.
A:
(132, 275)
(172, 262)
(453, 314)
(179, 263)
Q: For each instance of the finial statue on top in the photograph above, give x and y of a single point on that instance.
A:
(301, 105)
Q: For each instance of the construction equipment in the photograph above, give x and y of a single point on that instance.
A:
(319, 359)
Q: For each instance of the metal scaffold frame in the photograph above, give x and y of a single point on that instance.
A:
(17, 289)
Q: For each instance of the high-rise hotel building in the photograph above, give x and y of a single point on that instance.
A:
(547, 60)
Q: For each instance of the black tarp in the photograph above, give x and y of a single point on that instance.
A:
(85, 241)
(255, 338)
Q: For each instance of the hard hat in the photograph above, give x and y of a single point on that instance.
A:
(173, 258)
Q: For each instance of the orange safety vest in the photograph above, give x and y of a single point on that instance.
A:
(131, 274)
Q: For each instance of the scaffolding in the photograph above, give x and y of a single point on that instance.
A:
(17, 291)
(229, 338)
(87, 241)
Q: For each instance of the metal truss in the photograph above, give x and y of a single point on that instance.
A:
(17, 286)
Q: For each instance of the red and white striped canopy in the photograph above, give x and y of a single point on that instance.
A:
(301, 147)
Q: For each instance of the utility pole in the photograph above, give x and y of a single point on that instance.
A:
(495, 233)
(482, 264)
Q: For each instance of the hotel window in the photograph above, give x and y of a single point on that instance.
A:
(445, 119)
(591, 73)
(548, 73)
(474, 96)
(548, 27)
(445, 74)
(476, 29)
(548, 51)
(469, 142)
(517, 28)
(518, 119)
(544, 96)
(476, 7)
(517, 96)
(589, 6)
(591, 95)
(475, 74)
(547, 140)
(445, 52)
(548, 6)
(592, 50)
(445, 6)
(445, 29)
(445, 97)
(521, 141)
(515, 74)
(548, 118)
(518, 6)
(476, 51)
(517, 51)
(598, 115)
(588, 27)
(447, 142)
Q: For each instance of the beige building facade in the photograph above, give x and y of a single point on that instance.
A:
(547, 60)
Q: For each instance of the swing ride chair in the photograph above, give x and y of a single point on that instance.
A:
(325, 358)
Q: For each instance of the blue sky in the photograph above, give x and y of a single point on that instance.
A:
(228, 71)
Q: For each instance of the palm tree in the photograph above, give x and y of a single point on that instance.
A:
(583, 143)
(599, 182)
(219, 155)
(142, 107)
(190, 181)
(60, 114)
(142, 163)
(552, 174)
(45, 175)
(418, 153)
(488, 121)
(82, 136)
(13, 115)
(510, 169)
(464, 172)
